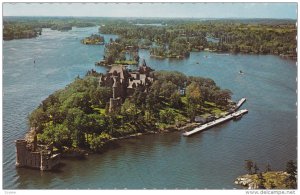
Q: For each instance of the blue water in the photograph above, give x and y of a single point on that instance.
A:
(212, 159)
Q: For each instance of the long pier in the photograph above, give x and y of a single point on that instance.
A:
(240, 103)
(217, 121)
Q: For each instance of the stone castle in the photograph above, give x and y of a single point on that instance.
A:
(124, 82)
(29, 154)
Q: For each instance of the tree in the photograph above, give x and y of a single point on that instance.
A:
(100, 96)
(98, 142)
(76, 122)
(167, 116)
(193, 93)
(175, 77)
(291, 169)
(268, 168)
(59, 135)
(249, 166)
(167, 89)
(255, 168)
(38, 118)
(129, 110)
(222, 97)
(175, 100)
(194, 99)
(139, 96)
(152, 102)
(261, 181)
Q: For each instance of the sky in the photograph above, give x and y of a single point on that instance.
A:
(181, 10)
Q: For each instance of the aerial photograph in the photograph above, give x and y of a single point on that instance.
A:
(161, 95)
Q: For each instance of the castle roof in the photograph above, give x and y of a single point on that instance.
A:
(120, 70)
(134, 83)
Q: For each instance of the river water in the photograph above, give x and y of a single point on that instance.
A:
(212, 159)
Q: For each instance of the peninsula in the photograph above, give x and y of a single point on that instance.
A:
(99, 108)
(31, 27)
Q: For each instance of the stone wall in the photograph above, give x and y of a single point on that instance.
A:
(42, 160)
(25, 157)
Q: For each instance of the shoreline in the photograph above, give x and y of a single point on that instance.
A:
(82, 152)
(272, 180)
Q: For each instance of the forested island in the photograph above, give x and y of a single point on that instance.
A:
(89, 113)
(116, 50)
(20, 31)
(179, 39)
(174, 38)
(94, 39)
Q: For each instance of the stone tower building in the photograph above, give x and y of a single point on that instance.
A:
(124, 82)
(30, 155)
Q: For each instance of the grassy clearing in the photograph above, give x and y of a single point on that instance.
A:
(100, 110)
(127, 62)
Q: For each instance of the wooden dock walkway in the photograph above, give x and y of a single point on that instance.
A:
(217, 121)
(240, 103)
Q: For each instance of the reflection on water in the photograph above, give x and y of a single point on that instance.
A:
(212, 159)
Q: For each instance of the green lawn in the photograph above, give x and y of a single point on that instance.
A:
(126, 62)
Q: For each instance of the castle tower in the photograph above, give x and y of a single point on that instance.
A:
(21, 152)
(101, 81)
(114, 102)
(114, 87)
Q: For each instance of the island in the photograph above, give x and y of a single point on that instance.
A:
(15, 31)
(179, 38)
(31, 27)
(98, 109)
(61, 27)
(268, 179)
(94, 39)
(120, 52)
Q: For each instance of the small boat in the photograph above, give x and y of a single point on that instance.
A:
(197, 62)
(237, 116)
(241, 72)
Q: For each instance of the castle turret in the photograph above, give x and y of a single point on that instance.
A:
(20, 152)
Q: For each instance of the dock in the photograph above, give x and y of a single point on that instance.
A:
(217, 121)
(240, 103)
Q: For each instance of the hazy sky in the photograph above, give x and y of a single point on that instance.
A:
(190, 10)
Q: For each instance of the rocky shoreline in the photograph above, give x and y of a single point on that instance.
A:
(271, 180)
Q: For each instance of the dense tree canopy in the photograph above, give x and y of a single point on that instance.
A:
(178, 39)
(77, 116)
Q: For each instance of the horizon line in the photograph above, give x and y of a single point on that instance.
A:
(166, 17)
